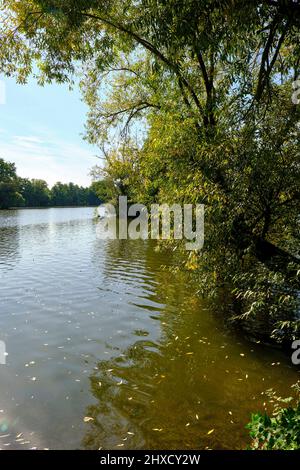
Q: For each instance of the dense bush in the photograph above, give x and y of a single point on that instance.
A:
(281, 430)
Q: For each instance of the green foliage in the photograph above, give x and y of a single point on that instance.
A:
(268, 302)
(22, 192)
(104, 189)
(189, 101)
(34, 192)
(280, 431)
(9, 185)
(72, 195)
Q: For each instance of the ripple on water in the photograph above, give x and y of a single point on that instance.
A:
(97, 329)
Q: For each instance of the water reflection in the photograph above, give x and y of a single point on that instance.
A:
(98, 329)
(9, 247)
(194, 386)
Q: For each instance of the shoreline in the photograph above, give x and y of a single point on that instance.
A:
(43, 207)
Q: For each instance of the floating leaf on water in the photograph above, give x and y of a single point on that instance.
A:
(87, 419)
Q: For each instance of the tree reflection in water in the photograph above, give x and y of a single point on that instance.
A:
(193, 387)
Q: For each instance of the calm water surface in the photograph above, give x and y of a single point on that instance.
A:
(107, 349)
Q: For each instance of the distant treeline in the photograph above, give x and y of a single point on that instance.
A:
(23, 192)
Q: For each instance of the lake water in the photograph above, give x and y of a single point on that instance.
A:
(108, 349)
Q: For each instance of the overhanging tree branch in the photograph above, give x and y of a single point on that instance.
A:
(156, 52)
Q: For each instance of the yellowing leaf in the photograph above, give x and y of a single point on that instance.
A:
(87, 419)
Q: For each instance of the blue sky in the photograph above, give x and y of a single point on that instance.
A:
(41, 132)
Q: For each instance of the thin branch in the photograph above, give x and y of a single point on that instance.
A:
(264, 58)
(264, 73)
(137, 106)
(123, 69)
(150, 47)
(39, 13)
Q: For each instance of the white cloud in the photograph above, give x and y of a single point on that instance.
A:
(48, 158)
(21, 139)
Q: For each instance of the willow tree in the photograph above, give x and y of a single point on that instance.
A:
(199, 95)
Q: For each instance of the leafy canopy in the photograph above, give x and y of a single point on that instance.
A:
(190, 101)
